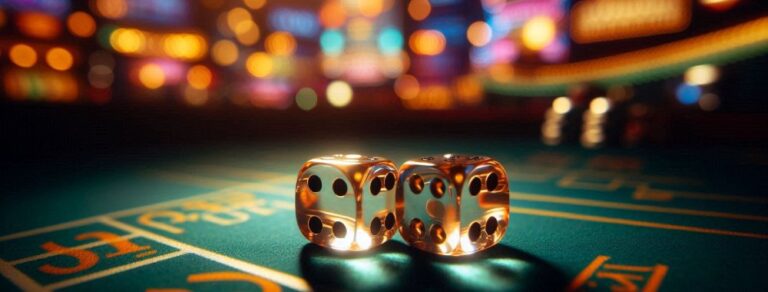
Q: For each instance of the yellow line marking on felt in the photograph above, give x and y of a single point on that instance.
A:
(146, 254)
(718, 197)
(285, 279)
(638, 223)
(639, 269)
(18, 278)
(203, 181)
(264, 284)
(137, 210)
(543, 173)
(634, 207)
(122, 213)
(246, 173)
(634, 177)
(112, 271)
(83, 246)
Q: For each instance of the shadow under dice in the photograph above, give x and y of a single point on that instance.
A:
(453, 204)
(347, 202)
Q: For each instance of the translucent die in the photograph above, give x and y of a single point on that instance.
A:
(347, 202)
(453, 204)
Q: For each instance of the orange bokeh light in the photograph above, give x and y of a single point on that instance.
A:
(199, 77)
(407, 87)
(419, 9)
(81, 24)
(333, 14)
(479, 33)
(280, 43)
(112, 9)
(59, 59)
(225, 52)
(152, 76)
(259, 64)
(38, 25)
(23, 55)
(3, 18)
(255, 4)
(427, 42)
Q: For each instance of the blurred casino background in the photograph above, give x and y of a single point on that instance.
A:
(584, 72)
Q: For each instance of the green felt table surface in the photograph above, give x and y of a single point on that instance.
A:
(222, 218)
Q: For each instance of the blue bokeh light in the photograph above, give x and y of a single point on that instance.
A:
(390, 41)
(332, 42)
(688, 94)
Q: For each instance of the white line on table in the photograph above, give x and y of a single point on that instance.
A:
(274, 275)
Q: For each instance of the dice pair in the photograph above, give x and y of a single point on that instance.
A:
(448, 205)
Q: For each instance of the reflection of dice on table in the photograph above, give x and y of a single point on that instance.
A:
(453, 204)
(331, 192)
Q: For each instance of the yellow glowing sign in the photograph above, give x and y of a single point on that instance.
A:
(602, 20)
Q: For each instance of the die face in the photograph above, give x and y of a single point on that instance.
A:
(428, 208)
(341, 199)
(473, 212)
(378, 217)
(484, 206)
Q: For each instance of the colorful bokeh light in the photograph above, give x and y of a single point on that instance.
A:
(59, 59)
(339, 93)
(538, 32)
(332, 42)
(23, 55)
(152, 76)
(427, 42)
